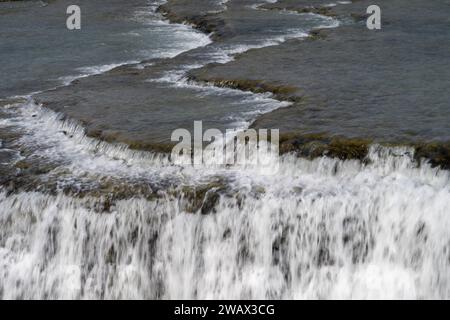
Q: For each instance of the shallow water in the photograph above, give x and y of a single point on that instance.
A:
(147, 99)
(38, 51)
(317, 229)
(388, 85)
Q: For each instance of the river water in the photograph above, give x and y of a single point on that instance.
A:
(82, 218)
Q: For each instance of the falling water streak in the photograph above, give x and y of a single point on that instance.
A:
(324, 228)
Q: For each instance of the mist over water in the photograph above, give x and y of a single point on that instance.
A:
(82, 218)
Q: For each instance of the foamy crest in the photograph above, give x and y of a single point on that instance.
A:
(320, 229)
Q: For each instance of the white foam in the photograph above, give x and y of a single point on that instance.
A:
(91, 71)
(319, 229)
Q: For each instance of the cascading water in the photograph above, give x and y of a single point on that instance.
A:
(322, 228)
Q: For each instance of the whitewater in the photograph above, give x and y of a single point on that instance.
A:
(320, 228)
(317, 229)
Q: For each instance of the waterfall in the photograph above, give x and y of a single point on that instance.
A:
(98, 220)
(322, 228)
